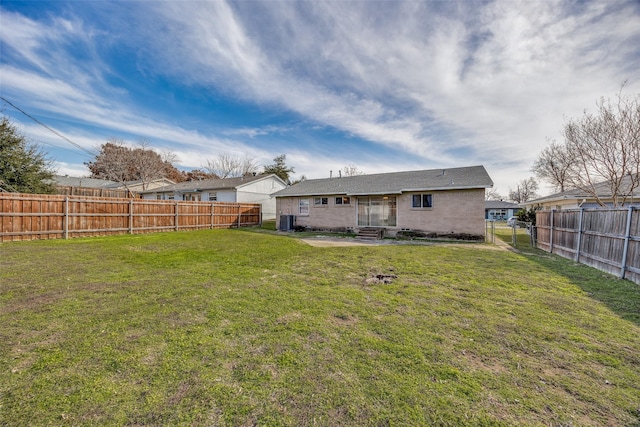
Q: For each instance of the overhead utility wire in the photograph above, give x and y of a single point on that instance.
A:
(47, 127)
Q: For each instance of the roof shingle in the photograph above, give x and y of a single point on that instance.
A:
(393, 183)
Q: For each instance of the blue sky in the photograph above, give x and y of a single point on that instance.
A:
(385, 86)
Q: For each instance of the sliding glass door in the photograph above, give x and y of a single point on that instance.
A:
(376, 211)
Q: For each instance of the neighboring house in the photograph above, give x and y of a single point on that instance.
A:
(437, 202)
(104, 187)
(246, 189)
(76, 186)
(140, 185)
(575, 199)
(72, 181)
(497, 210)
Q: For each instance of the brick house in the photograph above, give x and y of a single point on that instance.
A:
(436, 202)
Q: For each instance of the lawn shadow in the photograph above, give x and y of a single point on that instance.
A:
(620, 296)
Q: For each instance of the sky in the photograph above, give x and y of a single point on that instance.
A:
(380, 85)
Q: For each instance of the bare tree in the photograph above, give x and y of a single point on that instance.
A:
(148, 164)
(196, 175)
(248, 165)
(120, 163)
(227, 165)
(600, 154)
(554, 165)
(112, 162)
(525, 191)
(605, 148)
(351, 170)
(492, 194)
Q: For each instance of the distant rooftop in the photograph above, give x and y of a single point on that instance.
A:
(499, 204)
(602, 189)
(209, 184)
(72, 181)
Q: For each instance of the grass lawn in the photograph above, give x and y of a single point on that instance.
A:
(234, 327)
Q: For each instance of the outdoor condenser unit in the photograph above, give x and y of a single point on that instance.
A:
(287, 222)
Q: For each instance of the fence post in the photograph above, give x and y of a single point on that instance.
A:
(130, 216)
(176, 217)
(579, 235)
(213, 211)
(627, 237)
(551, 231)
(239, 214)
(65, 220)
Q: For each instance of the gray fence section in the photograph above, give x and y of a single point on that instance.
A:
(607, 239)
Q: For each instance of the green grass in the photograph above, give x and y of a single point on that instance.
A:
(233, 327)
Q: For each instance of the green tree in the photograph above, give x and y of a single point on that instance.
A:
(528, 215)
(24, 167)
(279, 168)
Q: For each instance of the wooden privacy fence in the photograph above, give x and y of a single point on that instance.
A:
(36, 216)
(607, 239)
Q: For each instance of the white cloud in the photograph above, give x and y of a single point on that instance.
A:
(496, 77)
(447, 83)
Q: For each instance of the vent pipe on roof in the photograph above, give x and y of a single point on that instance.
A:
(444, 172)
(330, 174)
(339, 174)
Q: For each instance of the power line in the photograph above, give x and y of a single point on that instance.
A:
(48, 128)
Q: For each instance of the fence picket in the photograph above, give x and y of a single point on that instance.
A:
(607, 239)
(34, 216)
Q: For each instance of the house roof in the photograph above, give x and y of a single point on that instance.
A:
(602, 189)
(139, 182)
(72, 181)
(499, 204)
(211, 184)
(393, 183)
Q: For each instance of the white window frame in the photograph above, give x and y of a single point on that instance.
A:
(303, 207)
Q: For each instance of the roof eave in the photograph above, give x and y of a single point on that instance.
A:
(380, 193)
(455, 187)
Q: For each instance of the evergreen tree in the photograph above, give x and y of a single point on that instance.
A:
(279, 168)
(24, 167)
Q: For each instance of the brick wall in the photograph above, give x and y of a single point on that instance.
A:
(456, 211)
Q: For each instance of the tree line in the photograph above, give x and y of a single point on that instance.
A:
(118, 162)
(598, 150)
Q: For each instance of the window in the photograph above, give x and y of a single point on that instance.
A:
(343, 200)
(303, 207)
(213, 197)
(321, 201)
(377, 211)
(422, 201)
